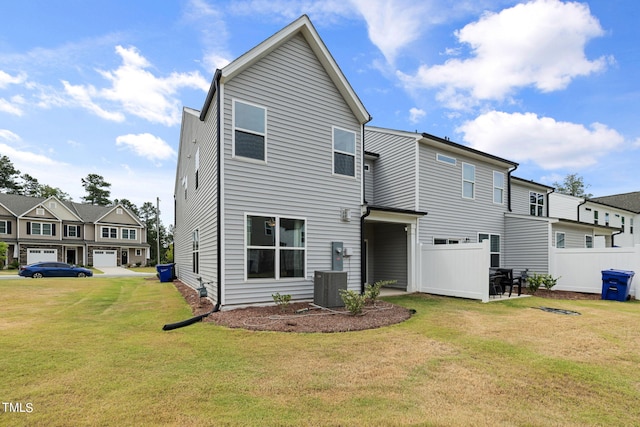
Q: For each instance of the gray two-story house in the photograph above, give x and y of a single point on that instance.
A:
(269, 174)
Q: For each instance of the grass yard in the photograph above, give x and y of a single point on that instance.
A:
(77, 352)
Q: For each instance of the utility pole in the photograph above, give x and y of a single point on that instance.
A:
(158, 230)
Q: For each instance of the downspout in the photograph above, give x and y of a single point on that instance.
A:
(363, 259)
(578, 208)
(549, 200)
(216, 79)
(509, 186)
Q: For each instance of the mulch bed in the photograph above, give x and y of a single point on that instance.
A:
(298, 317)
(305, 317)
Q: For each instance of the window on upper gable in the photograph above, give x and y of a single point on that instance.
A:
(468, 181)
(446, 159)
(498, 187)
(344, 152)
(536, 203)
(249, 131)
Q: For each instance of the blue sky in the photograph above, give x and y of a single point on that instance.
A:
(98, 86)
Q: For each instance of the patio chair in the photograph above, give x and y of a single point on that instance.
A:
(508, 281)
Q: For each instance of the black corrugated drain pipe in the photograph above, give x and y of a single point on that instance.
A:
(203, 293)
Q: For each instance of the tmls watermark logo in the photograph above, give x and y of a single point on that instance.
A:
(17, 407)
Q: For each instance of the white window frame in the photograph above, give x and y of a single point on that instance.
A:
(491, 237)
(3, 227)
(111, 231)
(538, 207)
(138, 252)
(72, 231)
(129, 232)
(606, 218)
(345, 153)
(41, 227)
(588, 241)
(472, 182)
(596, 215)
(195, 251)
(443, 158)
(277, 247)
(497, 189)
(564, 239)
(249, 131)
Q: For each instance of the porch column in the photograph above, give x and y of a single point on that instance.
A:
(411, 257)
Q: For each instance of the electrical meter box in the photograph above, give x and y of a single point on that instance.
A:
(337, 256)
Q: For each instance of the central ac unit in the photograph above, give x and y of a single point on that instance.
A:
(327, 286)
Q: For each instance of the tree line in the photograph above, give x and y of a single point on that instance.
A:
(97, 193)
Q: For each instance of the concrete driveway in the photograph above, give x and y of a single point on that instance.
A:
(119, 271)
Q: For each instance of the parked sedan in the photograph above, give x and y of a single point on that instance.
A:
(54, 269)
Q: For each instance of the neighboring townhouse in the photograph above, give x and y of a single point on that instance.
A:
(432, 191)
(269, 182)
(38, 229)
(618, 210)
(541, 219)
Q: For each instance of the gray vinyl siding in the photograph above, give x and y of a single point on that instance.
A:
(389, 257)
(370, 182)
(297, 181)
(527, 244)
(199, 209)
(395, 173)
(450, 215)
(573, 237)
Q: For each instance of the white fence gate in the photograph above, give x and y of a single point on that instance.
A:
(455, 270)
(580, 270)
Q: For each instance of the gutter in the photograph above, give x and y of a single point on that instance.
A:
(363, 258)
(578, 208)
(549, 201)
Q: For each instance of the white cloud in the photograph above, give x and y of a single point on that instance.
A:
(25, 159)
(147, 145)
(6, 79)
(416, 114)
(7, 135)
(213, 30)
(540, 43)
(11, 108)
(82, 96)
(549, 143)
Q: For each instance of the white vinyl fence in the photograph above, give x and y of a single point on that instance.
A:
(455, 270)
(580, 270)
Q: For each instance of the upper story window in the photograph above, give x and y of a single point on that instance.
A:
(606, 219)
(446, 159)
(129, 233)
(468, 181)
(344, 152)
(536, 203)
(595, 217)
(249, 131)
(630, 225)
(560, 238)
(498, 187)
(622, 224)
(72, 231)
(41, 229)
(195, 251)
(5, 227)
(109, 232)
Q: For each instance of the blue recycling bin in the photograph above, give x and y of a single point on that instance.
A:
(616, 284)
(165, 271)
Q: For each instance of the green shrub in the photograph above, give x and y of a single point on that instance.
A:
(549, 282)
(353, 301)
(372, 292)
(281, 300)
(534, 282)
(14, 265)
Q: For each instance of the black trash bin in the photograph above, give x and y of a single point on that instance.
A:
(616, 284)
(166, 272)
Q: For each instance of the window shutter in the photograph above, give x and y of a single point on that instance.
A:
(78, 231)
(65, 230)
(28, 228)
(8, 227)
(53, 229)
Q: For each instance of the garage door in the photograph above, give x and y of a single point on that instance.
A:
(105, 258)
(38, 255)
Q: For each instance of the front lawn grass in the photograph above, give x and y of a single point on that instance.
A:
(92, 352)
